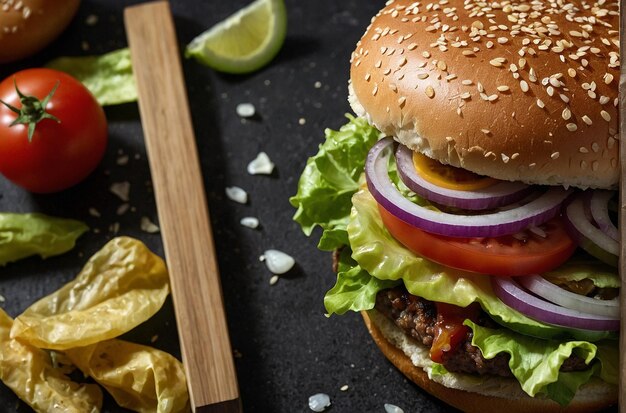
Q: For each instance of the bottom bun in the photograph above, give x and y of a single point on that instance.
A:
(465, 392)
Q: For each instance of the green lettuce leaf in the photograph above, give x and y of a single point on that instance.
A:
(23, 235)
(536, 362)
(355, 289)
(602, 276)
(109, 77)
(329, 180)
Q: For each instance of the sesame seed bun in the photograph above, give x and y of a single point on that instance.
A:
(525, 92)
(495, 394)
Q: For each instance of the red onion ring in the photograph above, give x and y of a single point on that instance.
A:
(590, 238)
(551, 292)
(495, 224)
(500, 194)
(599, 206)
(517, 298)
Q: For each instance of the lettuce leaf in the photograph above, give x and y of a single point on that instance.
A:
(536, 362)
(355, 289)
(329, 180)
(109, 77)
(23, 235)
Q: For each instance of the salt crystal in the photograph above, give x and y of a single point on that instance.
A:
(390, 408)
(261, 165)
(319, 402)
(245, 110)
(277, 261)
(250, 222)
(234, 193)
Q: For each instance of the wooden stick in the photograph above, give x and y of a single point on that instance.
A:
(622, 216)
(182, 209)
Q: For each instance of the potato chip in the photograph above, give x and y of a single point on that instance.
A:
(29, 372)
(120, 287)
(139, 378)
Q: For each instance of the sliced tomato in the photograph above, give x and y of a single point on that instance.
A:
(449, 177)
(449, 329)
(523, 254)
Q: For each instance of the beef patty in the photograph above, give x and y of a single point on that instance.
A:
(416, 316)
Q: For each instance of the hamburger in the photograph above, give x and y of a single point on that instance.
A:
(471, 202)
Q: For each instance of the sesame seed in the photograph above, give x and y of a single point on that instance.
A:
(582, 149)
(442, 65)
(567, 114)
(524, 86)
(492, 98)
(466, 82)
(402, 101)
(486, 131)
(422, 76)
(540, 103)
(430, 92)
(572, 127)
(555, 155)
(571, 72)
(587, 120)
(426, 54)
(605, 115)
(503, 88)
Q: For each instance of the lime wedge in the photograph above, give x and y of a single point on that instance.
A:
(244, 41)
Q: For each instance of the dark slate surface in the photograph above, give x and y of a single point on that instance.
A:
(287, 349)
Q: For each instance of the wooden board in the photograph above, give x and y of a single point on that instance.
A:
(182, 209)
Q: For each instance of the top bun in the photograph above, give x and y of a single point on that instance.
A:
(518, 91)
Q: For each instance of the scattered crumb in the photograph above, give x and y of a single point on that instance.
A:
(148, 226)
(91, 20)
(94, 212)
(274, 279)
(121, 190)
(122, 209)
(154, 338)
(344, 387)
(123, 160)
(301, 121)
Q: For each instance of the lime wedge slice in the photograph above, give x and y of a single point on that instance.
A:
(245, 41)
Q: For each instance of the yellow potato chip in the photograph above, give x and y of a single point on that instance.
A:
(139, 378)
(29, 372)
(120, 287)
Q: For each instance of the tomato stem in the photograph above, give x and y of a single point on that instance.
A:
(33, 110)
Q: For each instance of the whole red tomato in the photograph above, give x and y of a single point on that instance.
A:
(69, 136)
